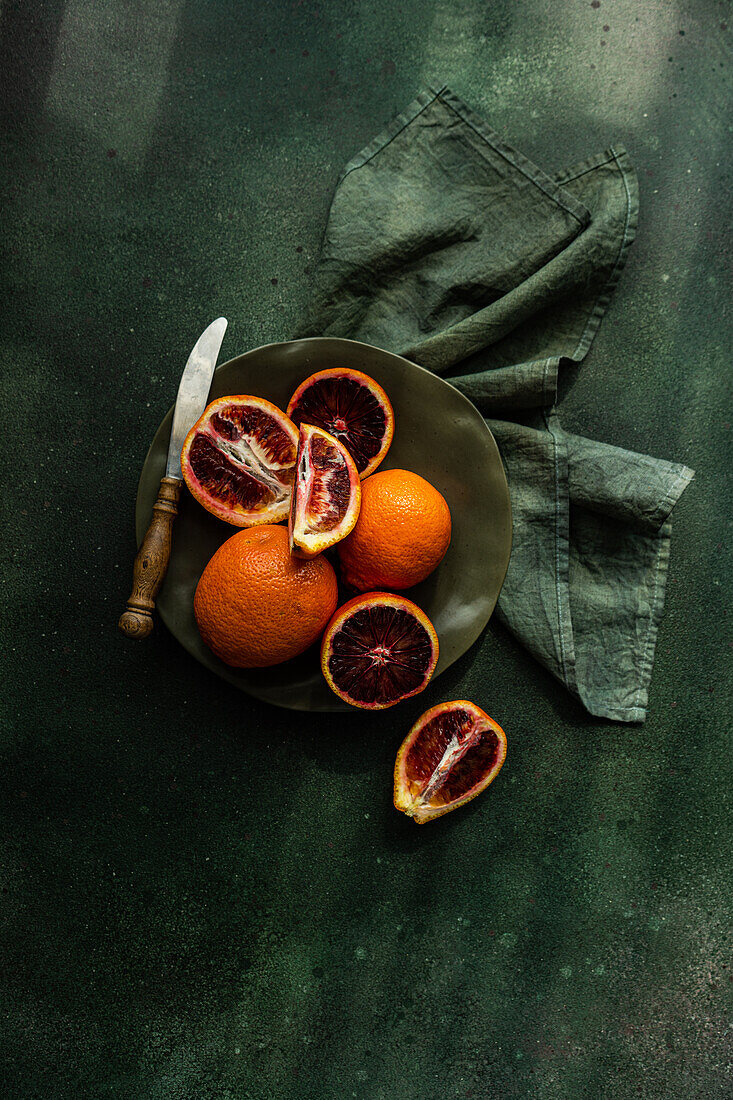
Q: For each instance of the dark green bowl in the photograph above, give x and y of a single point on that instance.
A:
(438, 434)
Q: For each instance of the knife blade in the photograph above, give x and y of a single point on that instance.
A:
(153, 556)
(193, 391)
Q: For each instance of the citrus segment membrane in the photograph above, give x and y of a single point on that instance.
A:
(350, 406)
(379, 649)
(451, 754)
(454, 752)
(326, 493)
(238, 460)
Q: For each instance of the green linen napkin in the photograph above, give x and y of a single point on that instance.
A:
(449, 247)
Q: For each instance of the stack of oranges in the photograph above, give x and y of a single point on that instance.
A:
(269, 592)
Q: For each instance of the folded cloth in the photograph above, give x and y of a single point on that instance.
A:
(449, 247)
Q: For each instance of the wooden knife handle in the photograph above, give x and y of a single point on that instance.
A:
(151, 562)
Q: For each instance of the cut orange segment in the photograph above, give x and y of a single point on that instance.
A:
(326, 493)
(449, 756)
(238, 460)
(378, 649)
(353, 408)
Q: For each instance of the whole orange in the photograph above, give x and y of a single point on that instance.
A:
(401, 535)
(255, 605)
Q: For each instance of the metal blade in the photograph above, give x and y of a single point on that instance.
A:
(193, 391)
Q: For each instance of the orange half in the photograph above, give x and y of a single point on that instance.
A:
(449, 756)
(352, 407)
(238, 460)
(378, 649)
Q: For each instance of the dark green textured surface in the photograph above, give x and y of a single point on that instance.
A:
(207, 898)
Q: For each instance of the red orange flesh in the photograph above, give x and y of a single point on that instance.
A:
(326, 493)
(350, 406)
(238, 460)
(449, 756)
(378, 649)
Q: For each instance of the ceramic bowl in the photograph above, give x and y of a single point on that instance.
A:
(438, 433)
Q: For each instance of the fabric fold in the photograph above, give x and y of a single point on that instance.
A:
(450, 247)
(632, 488)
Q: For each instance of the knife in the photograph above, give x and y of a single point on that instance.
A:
(154, 554)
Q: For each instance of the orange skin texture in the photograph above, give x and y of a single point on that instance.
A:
(256, 605)
(402, 533)
(377, 390)
(406, 796)
(344, 613)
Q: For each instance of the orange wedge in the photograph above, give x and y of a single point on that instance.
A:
(449, 756)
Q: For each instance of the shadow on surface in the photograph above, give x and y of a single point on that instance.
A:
(28, 40)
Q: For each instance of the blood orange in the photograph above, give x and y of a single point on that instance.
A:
(256, 605)
(326, 493)
(401, 536)
(449, 756)
(351, 406)
(378, 649)
(238, 460)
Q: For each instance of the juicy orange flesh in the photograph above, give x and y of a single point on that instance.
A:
(237, 422)
(323, 479)
(380, 654)
(450, 756)
(347, 409)
(243, 458)
(230, 485)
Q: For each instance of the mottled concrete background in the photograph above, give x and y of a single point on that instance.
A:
(207, 899)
